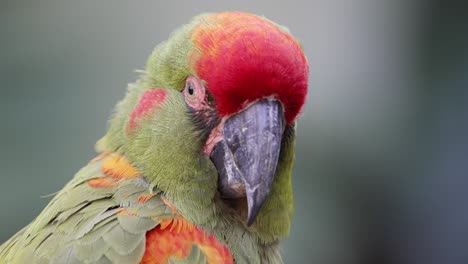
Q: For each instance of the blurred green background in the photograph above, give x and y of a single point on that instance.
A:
(382, 153)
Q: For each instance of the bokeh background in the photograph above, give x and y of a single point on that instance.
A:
(382, 153)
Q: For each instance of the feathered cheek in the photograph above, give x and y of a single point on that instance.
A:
(149, 101)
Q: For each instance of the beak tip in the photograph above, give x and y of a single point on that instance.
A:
(255, 200)
(252, 215)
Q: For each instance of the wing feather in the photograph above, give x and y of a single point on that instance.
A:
(87, 224)
(101, 218)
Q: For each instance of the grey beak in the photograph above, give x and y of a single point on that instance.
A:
(247, 157)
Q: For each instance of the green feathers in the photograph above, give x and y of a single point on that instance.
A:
(167, 149)
(83, 224)
(154, 129)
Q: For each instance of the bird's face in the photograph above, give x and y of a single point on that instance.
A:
(238, 83)
(244, 146)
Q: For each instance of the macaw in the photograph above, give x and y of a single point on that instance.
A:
(195, 166)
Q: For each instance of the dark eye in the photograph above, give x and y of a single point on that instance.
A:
(190, 89)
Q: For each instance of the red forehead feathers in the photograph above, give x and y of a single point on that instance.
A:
(243, 58)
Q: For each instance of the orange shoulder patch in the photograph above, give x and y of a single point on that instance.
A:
(119, 167)
(114, 168)
(175, 238)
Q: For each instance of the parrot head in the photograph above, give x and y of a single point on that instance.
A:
(211, 121)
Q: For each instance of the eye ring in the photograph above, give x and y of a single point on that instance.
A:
(194, 93)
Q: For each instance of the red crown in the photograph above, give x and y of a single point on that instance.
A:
(243, 58)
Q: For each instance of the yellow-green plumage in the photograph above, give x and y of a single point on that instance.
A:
(108, 224)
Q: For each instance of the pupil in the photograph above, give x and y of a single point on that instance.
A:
(190, 89)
